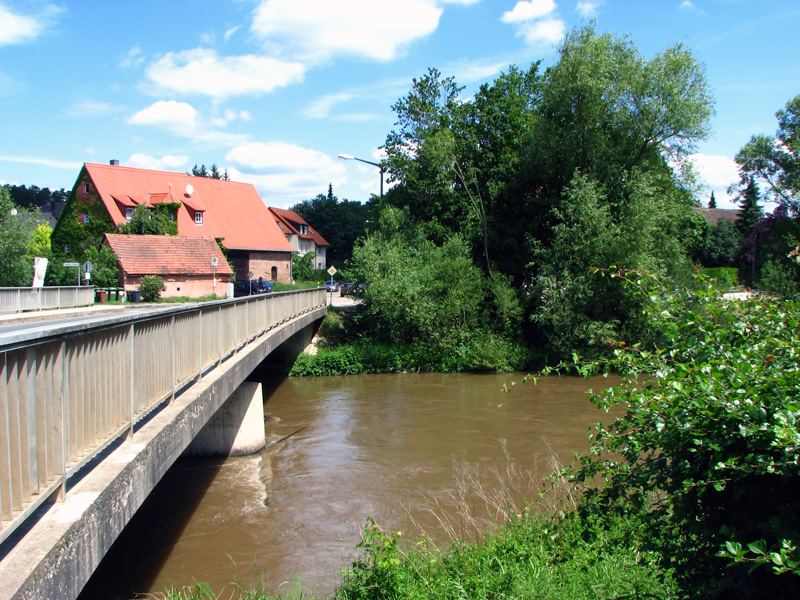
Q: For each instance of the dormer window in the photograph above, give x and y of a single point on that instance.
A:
(303, 229)
(128, 214)
(198, 217)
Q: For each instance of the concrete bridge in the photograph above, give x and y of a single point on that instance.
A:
(92, 415)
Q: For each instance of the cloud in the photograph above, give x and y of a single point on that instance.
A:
(203, 72)
(165, 163)
(182, 119)
(587, 9)
(45, 162)
(18, 29)
(132, 59)
(317, 30)
(536, 22)
(321, 108)
(92, 108)
(284, 172)
(717, 173)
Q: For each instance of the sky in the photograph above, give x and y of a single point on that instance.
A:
(274, 90)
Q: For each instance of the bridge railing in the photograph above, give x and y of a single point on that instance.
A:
(65, 396)
(28, 298)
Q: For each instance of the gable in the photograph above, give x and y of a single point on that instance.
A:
(227, 210)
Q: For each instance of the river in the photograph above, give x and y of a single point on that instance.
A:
(435, 453)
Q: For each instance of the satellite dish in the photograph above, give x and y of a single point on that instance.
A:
(189, 189)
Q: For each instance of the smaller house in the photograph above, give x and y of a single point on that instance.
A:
(301, 236)
(190, 266)
(715, 215)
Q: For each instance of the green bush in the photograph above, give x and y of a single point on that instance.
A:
(708, 450)
(724, 278)
(151, 287)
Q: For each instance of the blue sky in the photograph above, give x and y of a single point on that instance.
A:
(274, 90)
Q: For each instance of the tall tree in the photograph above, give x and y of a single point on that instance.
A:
(17, 227)
(775, 161)
(712, 202)
(751, 210)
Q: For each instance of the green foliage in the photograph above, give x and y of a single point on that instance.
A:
(775, 161)
(17, 236)
(340, 222)
(106, 266)
(212, 173)
(152, 221)
(708, 450)
(303, 266)
(531, 557)
(720, 245)
(151, 287)
(77, 235)
(723, 278)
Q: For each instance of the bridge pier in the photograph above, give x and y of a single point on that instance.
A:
(236, 429)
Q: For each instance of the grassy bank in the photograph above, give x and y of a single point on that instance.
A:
(547, 557)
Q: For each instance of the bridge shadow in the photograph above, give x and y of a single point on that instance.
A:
(134, 562)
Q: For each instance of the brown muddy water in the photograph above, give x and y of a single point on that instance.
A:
(419, 453)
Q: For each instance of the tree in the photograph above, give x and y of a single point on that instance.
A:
(720, 247)
(751, 210)
(340, 222)
(151, 221)
(213, 173)
(17, 230)
(712, 202)
(706, 453)
(303, 266)
(775, 161)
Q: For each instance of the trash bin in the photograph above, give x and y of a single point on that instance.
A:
(135, 296)
(103, 296)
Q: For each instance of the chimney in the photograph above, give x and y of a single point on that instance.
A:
(114, 162)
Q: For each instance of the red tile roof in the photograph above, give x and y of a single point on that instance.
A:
(230, 210)
(291, 221)
(167, 254)
(715, 215)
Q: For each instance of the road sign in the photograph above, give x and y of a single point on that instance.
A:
(87, 267)
(332, 271)
(214, 261)
(71, 265)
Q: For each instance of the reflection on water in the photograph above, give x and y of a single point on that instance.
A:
(341, 450)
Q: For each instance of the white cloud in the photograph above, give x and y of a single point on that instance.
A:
(284, 173)
(526, 10)
(688, 5)
(92, 108)
(317, 30)
(165, 163)
(717, 173)
(182, 119)
(133, 58)
(177, 117)
(321, 108)
(45, 162)
(203, 72)
(230, 31)
(536, 22)
(587, 9)
(17, 29)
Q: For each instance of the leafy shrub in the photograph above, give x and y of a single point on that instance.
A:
(709, 447)
(151, 287)
(724, 278)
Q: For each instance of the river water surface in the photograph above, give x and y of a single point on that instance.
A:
(416, 452)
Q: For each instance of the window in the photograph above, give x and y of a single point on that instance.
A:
(303, 229)
(86, 219)
(198, 217)
(128, 214)
(85, 188)
(171, 217)
(66, 248)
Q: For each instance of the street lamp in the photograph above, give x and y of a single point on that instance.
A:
(374, 164)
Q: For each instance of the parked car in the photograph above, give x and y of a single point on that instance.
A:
(346, 288)
(251, 288)
(331, 285)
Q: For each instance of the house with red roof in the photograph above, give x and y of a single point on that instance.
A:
(301, 236)
(191, 266)
(229, 212)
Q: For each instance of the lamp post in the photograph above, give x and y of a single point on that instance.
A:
(374, 164)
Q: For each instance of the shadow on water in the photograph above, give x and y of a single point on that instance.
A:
(133, 563)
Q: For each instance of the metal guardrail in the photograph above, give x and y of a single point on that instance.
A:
(28, 298)
(67, 395)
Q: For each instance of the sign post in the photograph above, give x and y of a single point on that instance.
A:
(332, 272)
(214, 261)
